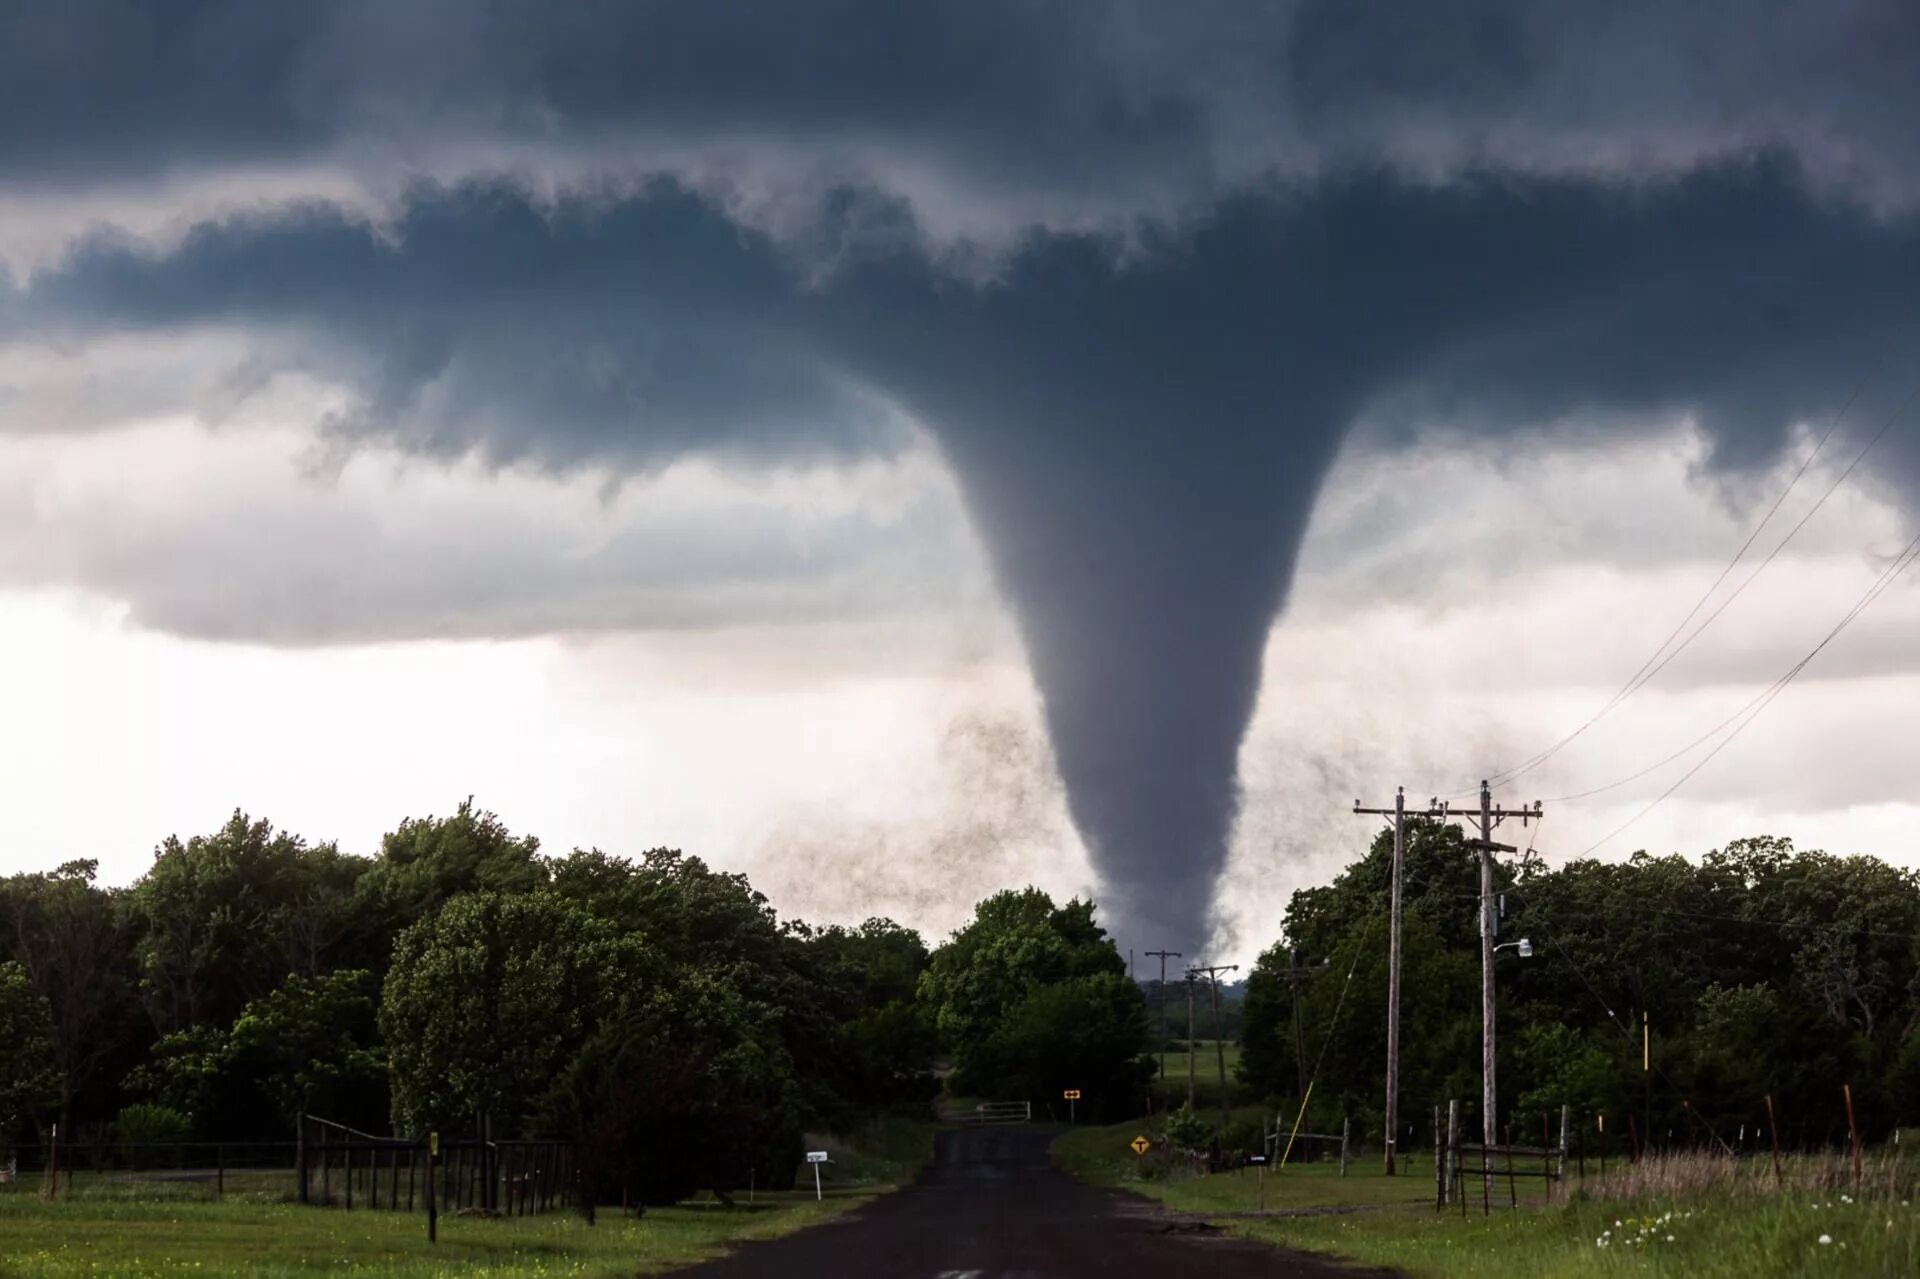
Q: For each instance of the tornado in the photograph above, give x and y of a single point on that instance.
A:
(1139, 442)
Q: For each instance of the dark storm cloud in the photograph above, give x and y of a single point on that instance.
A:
(1086, 101)
(630, 332)
(1308, 216)
(102, 85)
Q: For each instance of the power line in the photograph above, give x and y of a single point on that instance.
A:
(1900, 564)
(1791, 533)
(1647, 668)
(1764, 695)
(1659, 659)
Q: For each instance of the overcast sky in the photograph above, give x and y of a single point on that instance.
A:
(906, 451)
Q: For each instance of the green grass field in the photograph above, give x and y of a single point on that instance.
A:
(1171, 1088)
(1680, 1224)
(1102, 1156)
(146, 1230)
(132, 1240)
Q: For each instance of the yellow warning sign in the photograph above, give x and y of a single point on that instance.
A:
(1140, 1145)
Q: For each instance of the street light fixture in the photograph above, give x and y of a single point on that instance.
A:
(1524, 946)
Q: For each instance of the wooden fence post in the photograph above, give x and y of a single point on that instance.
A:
(1773, 1130)
(300, 1158)
(1560, 1169)
(433, 1204)
(1346, 1126)
(1452, 1159)
(1439, 1163)
(1853, 1133)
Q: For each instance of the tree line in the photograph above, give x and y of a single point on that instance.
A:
(661, 1015)
(1760, 971)
(653, 1010)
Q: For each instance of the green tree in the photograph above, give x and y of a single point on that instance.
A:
(188, 1072)
(1015, 943)
(1338, 930)
(887, 1041)
(686, 1085)
(820, 986)
(1088, 1033)
(490, 998)
(222, 918)
(64, 930)
(29, 1075)
(689, 913)
(313, 1043)
(426, 862)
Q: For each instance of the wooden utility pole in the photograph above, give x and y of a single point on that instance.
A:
(1163, 956)
(1399, 814)
(1293, 974)
(1190, 1071)
(1489, 926)
(1213, 972)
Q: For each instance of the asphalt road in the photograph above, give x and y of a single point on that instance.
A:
(992, 1206)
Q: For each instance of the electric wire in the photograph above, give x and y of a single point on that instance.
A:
(1647, 668)
(1661, 656)
(1893, 571)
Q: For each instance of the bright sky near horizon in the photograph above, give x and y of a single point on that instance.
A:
(890, 757)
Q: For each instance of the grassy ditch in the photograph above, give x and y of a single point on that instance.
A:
(1685, 1216)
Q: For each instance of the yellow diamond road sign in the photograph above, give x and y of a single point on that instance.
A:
(1140, 1145)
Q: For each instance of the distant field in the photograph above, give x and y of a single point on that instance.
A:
(1737, 1230)
(1102, 1156)
(1172, 1086)
(111, 1226)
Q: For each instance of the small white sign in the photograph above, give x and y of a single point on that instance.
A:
(816, 1156)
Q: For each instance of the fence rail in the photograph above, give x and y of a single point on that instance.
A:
(469, 1174)
(212, 1167)
(1459, 1157)
(989, 1113)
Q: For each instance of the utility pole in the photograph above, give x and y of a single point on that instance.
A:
(1163, 956)
(1489, 818)
(1293, 974)
(1399, 813)
(1189, 1039)
(1213, 972)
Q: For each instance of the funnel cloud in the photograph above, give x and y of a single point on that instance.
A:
(1139, 273)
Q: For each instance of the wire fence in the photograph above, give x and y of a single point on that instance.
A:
(326, 1165)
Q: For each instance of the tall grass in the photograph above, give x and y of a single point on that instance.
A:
(1884, 1174)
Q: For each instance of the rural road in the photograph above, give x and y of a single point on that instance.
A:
(992, 1206)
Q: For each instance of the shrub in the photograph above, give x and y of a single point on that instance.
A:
(1186, 1131)
(148, 1125)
